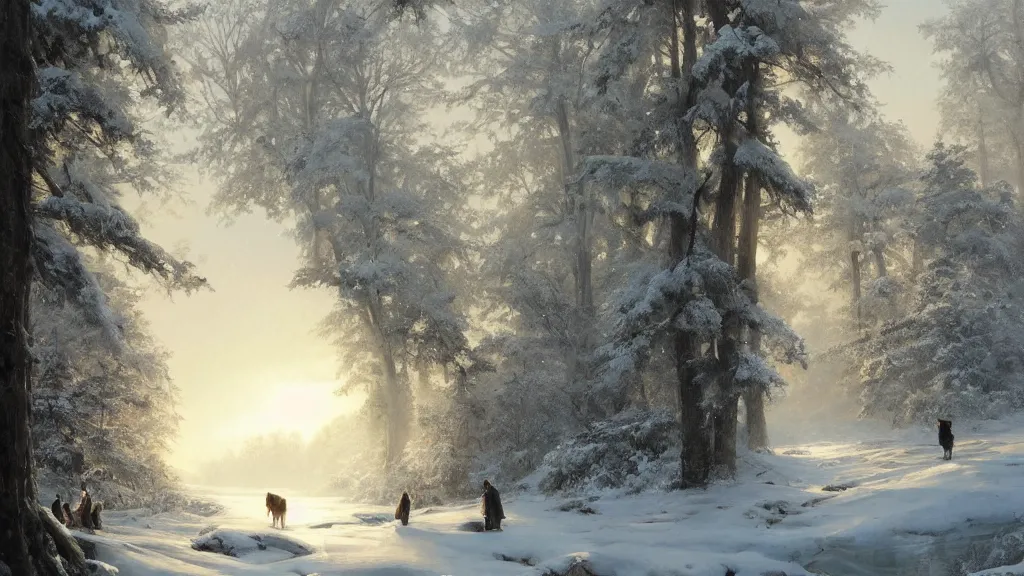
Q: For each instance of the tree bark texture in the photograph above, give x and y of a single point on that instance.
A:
(880, 262)
(724, 235)
(753, 400)
(695, 456)
(25, 549)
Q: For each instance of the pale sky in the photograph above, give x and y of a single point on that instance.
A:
(246, 357)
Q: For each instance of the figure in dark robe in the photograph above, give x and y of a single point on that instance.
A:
(402, 512)
(84, 512)
(57, 509)
(491, 507)
(97, 523)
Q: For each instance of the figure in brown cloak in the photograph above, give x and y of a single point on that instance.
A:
(491, 508)
(84, 512)
(402, 512)
(69, 518)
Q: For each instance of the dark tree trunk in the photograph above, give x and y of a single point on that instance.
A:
(25, 548)
(753, 400)
(724, 234)
(696, 452)
(398, 408)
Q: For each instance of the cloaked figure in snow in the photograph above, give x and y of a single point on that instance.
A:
(402, 512)
(57, 509)
(491, 507)
(97, 522)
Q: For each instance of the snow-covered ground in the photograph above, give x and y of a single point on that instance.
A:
(892, 507)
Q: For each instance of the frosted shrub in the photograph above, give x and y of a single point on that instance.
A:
(630, 451)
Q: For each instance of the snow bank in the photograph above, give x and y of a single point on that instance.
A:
(879, 504)
(253, 548)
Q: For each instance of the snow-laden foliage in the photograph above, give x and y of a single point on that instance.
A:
(717, 92)
(530, 88)
(697, 297)
(757, 159)
(531, 406)
(103, 413)
(955, 353)
(102, 66)
(633, 451)
(861, 241)
(103, 403)
(314, 112)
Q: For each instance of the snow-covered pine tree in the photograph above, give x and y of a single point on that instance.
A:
(683, 297)
(761, 46)
(97, 65)
(101, 68)
(102, 415)
(313, 114)
(956, 353)
(757, 47)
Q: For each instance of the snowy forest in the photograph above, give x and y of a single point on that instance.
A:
(571, 245)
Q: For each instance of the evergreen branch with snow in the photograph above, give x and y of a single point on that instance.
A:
(108, 227)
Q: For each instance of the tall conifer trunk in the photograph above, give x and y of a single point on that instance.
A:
(24, 543)
(753, 400)
(724, 238)
(696, 451)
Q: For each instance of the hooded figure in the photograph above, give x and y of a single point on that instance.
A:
(57, 509)
(491, 507)
(402, 512)
(97, 522)
(84, 512)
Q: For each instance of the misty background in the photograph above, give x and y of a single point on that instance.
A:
(253, 372)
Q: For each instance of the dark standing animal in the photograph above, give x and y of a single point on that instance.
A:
(402, 512)
(946, 438)
(278, 507)
(491, 507)
(58, 511)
